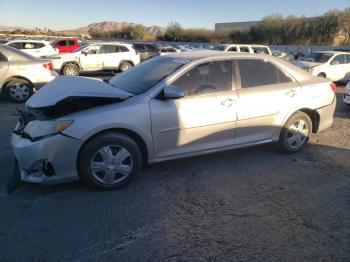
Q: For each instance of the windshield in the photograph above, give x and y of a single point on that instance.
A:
(219, 47)
(317, 57)
(144, 76)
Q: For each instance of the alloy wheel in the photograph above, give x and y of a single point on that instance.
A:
(111, 164)
(297, 134)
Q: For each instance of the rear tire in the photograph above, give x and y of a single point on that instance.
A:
(295, 133)
(125, 66)
(19, 90)
(109, 161)
(70, 70)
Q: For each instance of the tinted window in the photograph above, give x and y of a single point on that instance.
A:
(17, 45)
(71, 42)
(260, 50)
(62, 43)
(3, 58)
(139, 47)
(339, 59)
(317, 57)
(207, 78)
(107, 49)
(151, 48)
(244, 49)
(233, 49)
(347, 59)
(255, 72)
(123, 49)
(144, 76)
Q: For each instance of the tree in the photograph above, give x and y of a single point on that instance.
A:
(174, 32)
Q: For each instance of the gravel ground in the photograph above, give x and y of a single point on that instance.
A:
(249, 204)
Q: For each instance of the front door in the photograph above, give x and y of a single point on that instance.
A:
(92, 59)
(337, 68)
(3, 67)
(204, 119)
(267, 95)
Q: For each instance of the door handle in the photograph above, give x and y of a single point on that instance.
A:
(228, 102)
(291, 93)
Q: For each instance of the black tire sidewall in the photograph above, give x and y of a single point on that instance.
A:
(97, 143)
(284, 133)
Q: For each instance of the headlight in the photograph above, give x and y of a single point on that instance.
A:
(38, 129)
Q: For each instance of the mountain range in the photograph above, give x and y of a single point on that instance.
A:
(101, 26)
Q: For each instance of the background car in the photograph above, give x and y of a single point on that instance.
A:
(37, 48)
(109, 56)
(168, 49)
(331, 64)
(66, 45)
(284, 55)
(21, 73)
(346, 96)
(243, 48)
(146, 50)
(173, 106)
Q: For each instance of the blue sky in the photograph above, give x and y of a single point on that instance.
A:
(69, 14)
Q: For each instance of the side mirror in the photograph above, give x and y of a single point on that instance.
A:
(335, 63)
(85, 52)
(173, 92)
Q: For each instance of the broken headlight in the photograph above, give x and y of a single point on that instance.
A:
(38, 129)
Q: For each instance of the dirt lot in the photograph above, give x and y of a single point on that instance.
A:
(250, 204)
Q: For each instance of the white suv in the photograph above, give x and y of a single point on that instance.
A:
(110, 56)
(243, 48)
(334, 65)
(35, 48)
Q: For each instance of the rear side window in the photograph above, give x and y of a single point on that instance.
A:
(71, 42)
(3, 58)
(123, 49)
(232, 49)
(151, 48)
(62, 43)
(207, 78)
(347, 59)
(244, 49)
(256, 72)
(260, 50)
(108, 49)
(139, 47)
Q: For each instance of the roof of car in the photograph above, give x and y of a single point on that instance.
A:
(331, 52)
(29, 41)
(195, 55)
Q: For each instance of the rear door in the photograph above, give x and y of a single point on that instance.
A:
(110, 56)
(267, 95)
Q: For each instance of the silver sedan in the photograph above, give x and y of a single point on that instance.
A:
(174, 106)
(21, 74)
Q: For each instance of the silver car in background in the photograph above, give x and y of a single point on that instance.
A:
(174, 106)
(21, 74)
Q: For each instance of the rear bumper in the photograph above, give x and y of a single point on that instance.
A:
(326, 115)
(48, 161)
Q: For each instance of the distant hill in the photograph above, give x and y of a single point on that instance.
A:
(11, 28)
(110, 26)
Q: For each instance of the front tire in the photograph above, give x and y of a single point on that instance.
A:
(295, 133)
(322, 75)
(109, 161)
(70, 70)
(19, 90)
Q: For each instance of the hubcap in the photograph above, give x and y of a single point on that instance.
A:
(111, 164)
(71, 71)
(19, 91)
(125, 67)
(297, 134)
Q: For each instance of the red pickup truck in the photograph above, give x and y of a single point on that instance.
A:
(66, 45)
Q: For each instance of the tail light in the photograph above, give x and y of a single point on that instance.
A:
(334, 87)
(48, 66)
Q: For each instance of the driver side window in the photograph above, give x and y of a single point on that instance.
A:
(338, 60)
(93, 50)
(207, 78)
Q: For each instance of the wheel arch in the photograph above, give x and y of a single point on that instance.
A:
(9, 79)
(314, 116)
(132, 134)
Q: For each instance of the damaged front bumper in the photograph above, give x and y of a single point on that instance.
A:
(48, 161)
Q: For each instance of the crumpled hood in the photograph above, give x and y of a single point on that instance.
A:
(67, 86)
